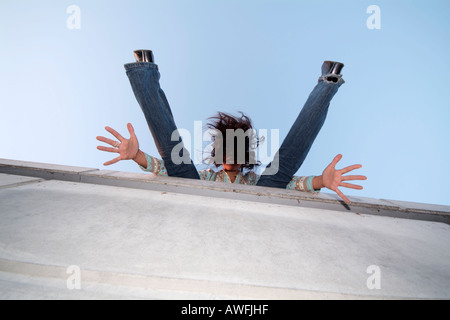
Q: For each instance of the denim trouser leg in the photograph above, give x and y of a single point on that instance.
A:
(144, 79)
(300, 137)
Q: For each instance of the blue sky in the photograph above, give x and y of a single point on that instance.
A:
(60, 87)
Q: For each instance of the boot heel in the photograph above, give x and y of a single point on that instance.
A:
(144, 56)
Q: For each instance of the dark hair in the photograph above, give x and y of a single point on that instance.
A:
(219, 124)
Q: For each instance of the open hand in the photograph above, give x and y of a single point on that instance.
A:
(333, 178)
(126, 148)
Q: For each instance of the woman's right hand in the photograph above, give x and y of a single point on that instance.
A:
(126, 148)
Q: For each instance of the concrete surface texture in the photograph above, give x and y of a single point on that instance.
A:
(160, 242)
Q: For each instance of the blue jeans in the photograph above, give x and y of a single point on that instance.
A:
(144, 79)
(301, 136)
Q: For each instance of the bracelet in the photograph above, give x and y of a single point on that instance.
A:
(301, 183)
(309, 184)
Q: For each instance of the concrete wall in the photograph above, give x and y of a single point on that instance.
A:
(140, 236)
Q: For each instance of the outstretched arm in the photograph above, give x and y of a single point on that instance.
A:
(128, 149)
(332, 178)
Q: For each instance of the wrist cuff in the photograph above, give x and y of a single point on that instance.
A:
(309, 185)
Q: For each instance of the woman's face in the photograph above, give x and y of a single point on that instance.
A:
(229, 165)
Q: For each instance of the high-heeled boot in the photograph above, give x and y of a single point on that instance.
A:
(331, 71)
(144, 56)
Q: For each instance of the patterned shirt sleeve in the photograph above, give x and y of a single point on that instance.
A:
(253, 178)
(155, 166)
(208, 175)
(297, 183)
(301, 184)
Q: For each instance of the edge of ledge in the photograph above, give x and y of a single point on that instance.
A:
(394, 208)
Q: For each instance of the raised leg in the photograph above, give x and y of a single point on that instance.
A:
(304, 131)
(144, 79)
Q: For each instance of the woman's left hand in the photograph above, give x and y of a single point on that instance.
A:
(333, 178)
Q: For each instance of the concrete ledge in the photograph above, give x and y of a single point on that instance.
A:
(360, 205)
(42, 170)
